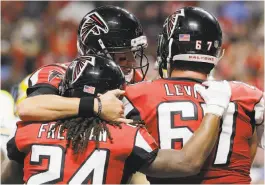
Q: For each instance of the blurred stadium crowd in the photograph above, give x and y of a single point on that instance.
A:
(36, 33)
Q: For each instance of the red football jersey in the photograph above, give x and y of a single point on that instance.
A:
(48, 161)
(173, 110)
(138, 76)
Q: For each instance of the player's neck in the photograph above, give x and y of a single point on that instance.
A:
(188, 74)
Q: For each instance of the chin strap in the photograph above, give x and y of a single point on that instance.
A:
(160, 70)
(221, 56)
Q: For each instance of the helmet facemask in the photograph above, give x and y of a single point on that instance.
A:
(131, 61)
(134, 53)
(134, 57)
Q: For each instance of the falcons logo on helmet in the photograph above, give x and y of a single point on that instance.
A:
(54, 74)
(94, 24)
(171, 22)
(80, 66)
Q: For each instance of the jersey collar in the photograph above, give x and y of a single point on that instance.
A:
(185, 79)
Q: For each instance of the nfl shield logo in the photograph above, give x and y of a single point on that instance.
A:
(89, 89)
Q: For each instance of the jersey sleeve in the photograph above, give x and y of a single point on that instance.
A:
(259, 109)
(138, 77)
(13, 153)
(250, 98)
(130, 111)
(132, 101)
(144, 151)
(259, 116)
(48, 76)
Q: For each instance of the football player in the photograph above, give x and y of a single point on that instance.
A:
(106, 30)
(7, 130)
(189, 48)
(81, 150)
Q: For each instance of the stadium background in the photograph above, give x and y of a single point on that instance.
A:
(38, 33)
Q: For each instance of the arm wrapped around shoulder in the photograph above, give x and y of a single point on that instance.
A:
(216, 96)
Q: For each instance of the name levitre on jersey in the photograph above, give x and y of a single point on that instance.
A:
(180, 90)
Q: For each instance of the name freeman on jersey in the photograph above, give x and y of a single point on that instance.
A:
(180, 90)
(46, 131)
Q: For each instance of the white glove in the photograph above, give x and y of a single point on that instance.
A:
(216, 96)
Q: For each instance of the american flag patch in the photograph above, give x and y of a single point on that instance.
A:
(89, 89)
(184, 37)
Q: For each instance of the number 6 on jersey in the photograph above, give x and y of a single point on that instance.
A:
(169, 133)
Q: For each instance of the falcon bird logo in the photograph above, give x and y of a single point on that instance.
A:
(80, 65)
(54, 74)
(94, 24)
(171, 22)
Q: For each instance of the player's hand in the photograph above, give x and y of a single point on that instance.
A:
(216, 96)
(112, 107)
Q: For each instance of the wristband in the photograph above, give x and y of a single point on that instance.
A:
(86, 107)
(99, 107)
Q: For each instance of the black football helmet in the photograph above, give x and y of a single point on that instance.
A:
(108, 30)
(189, 34)
(90, 75)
